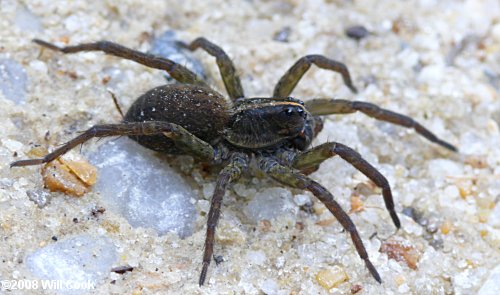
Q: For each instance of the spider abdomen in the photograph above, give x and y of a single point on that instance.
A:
(201, 111)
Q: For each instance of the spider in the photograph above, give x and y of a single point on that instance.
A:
(192, 119)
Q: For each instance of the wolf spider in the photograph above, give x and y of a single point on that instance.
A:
(191, 118)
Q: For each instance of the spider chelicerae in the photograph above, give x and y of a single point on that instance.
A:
(190, 118)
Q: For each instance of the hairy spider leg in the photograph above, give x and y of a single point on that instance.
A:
(325, 106)
(293, 178)
(230, 173)
(290, 79)
(181, 137)
(175, 70)
(117, 105)
(317, 155)
(226, 67)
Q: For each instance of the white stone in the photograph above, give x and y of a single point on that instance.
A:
(74, 22)
(270, 203)
(301, 199)
(243, 190)
(13, 80)
(12, 145)
(38, 66)
(269, 287)
(495, 32)
(280, 262)
(494, 218)
(404, 289)
(432, 74)
(408, 58)
(78, 260)
(492, 284)
(27, 21)
(442, 168)
(472, 144)
(134, 182)
(256, 257)
(203, 205)
(208, 190)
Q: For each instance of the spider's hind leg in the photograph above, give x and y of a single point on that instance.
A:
(182, 138)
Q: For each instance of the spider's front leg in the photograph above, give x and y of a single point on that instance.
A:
(182, 138)
(324, 106)
(293, 178)
(288, 82)
(317, 155)
(230, 173)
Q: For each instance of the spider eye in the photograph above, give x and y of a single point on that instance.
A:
(295, 100)
(300, 110)
(289, 111)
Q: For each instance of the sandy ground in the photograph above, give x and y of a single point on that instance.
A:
(404, 65)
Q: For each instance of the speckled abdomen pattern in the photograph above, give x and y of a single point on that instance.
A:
(200, 110)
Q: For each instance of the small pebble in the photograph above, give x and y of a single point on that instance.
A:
(269, 287)
(446, 227)
(494, 218)
(356, 288)
(439, 169)
(301, 199)
(12, 145)
(122, 269)
(218, 259)
(404, 289)
(357, 32)
(364, 189)
(401, 251)
(399, 280)
(256, 257)
(40, 197)
(82, 169)
(479, 162)
(69, 176)
(13, 80)
(265, 225)
(491, 286)
(412, 213)
(79, 259)
(331, 277)
(356, 204)
(326, 222)
(270, 203)
(27, 21)
(493, 78)
(97, 210)
(495, 32)
(283, 34)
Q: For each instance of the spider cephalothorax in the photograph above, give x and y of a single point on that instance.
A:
(259, 123)
(191, 118)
